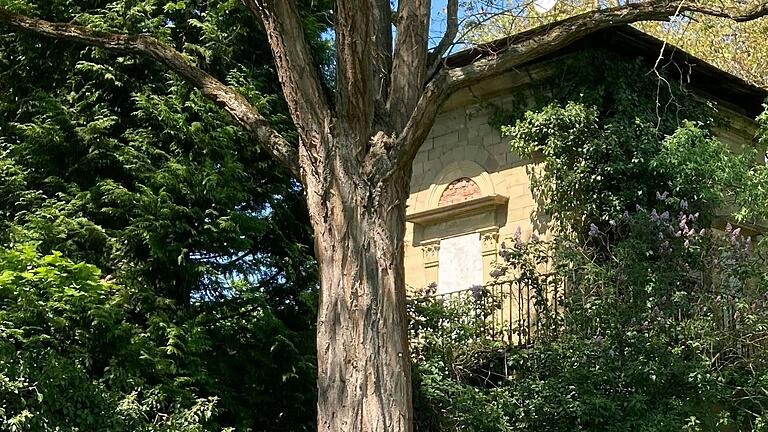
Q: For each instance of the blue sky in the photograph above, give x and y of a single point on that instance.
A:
(437, 24)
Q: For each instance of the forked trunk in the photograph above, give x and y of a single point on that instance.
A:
(362, 347)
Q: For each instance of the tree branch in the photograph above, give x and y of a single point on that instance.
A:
(409, 63)
(223, 96)
(363, 43)
(295, 66)
(551, 37)
(527, 46)
(451, 30)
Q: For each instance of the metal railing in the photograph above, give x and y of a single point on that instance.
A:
(518, 311)
(512, 311)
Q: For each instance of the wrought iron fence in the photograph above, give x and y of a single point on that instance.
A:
(511, 311)
(518, 311)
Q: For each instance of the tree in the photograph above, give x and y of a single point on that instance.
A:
(353, 156)
(113, 161)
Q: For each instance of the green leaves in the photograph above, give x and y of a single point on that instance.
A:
(203, 246)
(611, 146)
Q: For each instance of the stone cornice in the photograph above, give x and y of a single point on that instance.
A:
(457, 210)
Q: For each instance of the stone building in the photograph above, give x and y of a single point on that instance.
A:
(469, 192)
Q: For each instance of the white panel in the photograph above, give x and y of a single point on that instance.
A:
(460, 263)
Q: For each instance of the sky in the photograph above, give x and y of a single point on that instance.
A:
(437, 23)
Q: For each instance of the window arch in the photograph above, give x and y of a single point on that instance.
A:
(459, 190)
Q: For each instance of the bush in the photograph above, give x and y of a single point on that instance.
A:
(78, 352)
(662, 330)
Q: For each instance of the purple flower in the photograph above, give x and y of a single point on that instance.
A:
(430, 289)
(654, 216)
(593, 230)
(684, 204)
(477, 291)
(665, 216)
(498, 272)
(519, 238)
(661, 196)
(728, 228)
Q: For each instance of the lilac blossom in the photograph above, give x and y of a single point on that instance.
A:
(519, 238)
(477, 291)
(593, 230)
(498, 272)
(654, 216)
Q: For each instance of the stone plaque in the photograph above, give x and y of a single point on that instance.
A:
(460, 263)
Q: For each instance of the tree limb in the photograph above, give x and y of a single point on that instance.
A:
(409, 63)
(527, 46)
(223, 96)
(451, 30)
(295, 66)
(551, 37)
(355, 72)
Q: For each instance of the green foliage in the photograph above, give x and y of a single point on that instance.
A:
(142, 176)
(202, 246)
(699, 166)
(70, 354)
(81, 353)
(596, 139)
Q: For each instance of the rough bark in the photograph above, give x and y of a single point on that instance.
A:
(295, 67)
(409, 61)
(363, 357)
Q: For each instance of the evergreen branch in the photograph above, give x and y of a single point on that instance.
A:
(222, 95)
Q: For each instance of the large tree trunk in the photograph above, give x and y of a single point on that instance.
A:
(362, 347)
